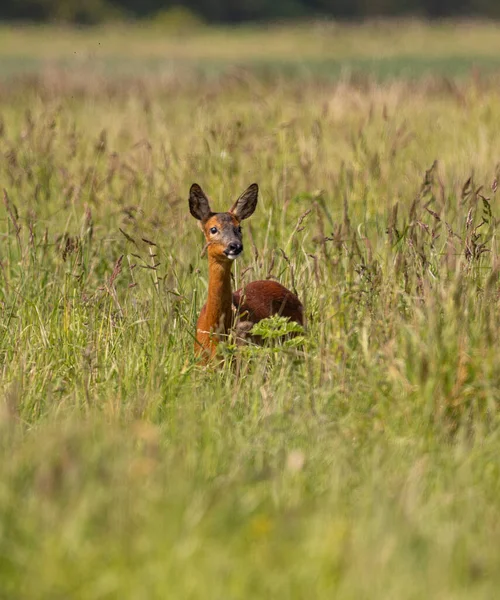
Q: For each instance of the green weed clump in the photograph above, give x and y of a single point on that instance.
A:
(356, 459)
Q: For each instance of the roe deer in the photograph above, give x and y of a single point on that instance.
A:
(257, 300)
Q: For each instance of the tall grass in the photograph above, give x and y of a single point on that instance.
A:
(362, 464)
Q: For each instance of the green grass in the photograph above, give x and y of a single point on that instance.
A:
(363, 464)
(408, 49)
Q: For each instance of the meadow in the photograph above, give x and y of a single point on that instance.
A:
(362, 463)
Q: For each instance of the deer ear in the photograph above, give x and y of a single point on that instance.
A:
(199, 205)
(245, 205)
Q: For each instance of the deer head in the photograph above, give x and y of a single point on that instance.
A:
(222, 230)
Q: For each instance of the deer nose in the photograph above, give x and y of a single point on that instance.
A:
(234, 248)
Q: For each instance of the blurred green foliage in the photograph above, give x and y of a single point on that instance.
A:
(93, 11)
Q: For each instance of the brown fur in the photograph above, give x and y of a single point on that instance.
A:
(216, 316)
(258, 300)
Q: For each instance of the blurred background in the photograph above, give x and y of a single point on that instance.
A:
(237, 11)
(320, 39)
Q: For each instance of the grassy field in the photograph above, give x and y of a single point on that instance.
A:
(364, 464)
(383, 50)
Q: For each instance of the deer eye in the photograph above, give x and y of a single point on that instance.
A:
(213, 230)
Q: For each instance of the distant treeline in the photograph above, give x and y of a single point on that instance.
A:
(234, 11)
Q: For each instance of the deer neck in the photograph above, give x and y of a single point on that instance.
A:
(220, 297)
